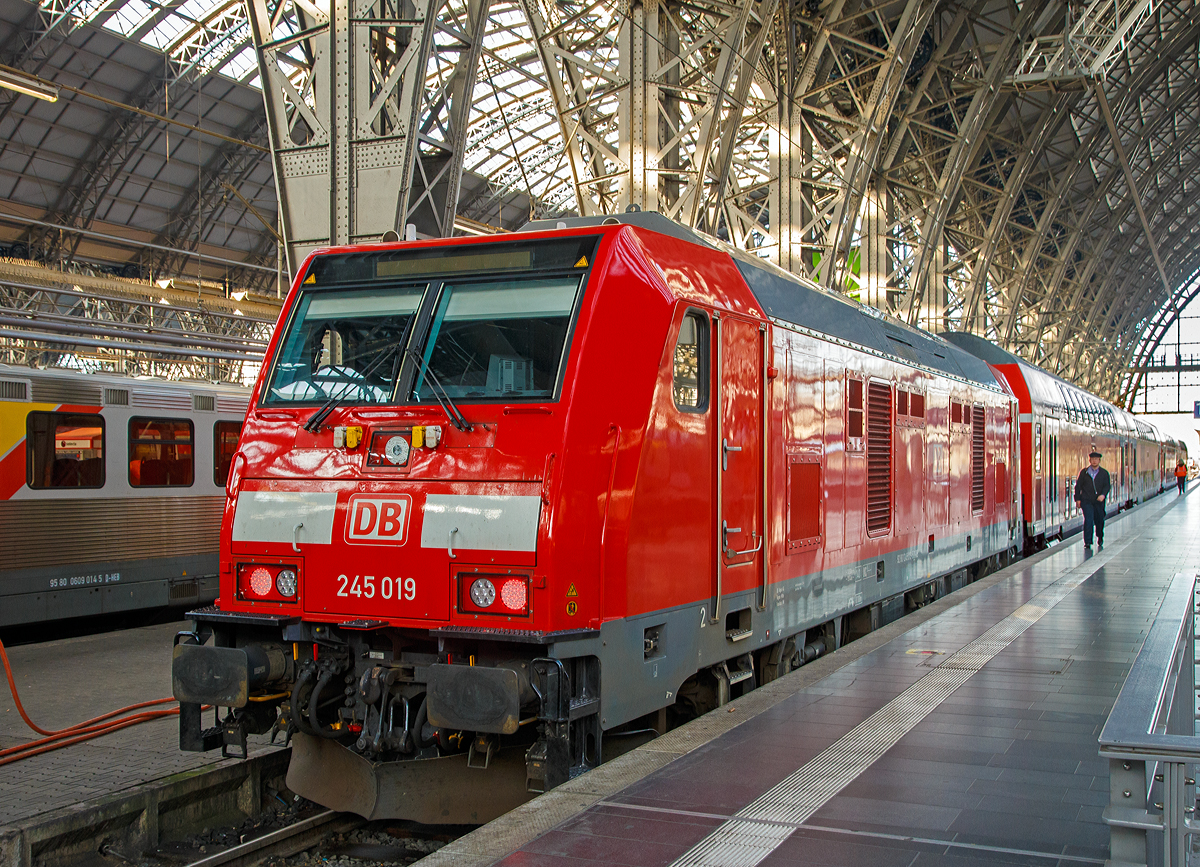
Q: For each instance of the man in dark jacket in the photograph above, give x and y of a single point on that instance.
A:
(1091, 490)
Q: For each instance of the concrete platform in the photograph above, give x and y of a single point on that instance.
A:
(964, 734)
(65, 682)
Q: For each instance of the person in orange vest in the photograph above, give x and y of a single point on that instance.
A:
(1181, 476)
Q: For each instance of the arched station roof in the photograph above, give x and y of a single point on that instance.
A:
(952, 163)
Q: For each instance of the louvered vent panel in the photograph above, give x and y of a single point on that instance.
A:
(182, 590)
(232, 404)
(116, 397)
(105, 529)
(879, 457)
(977, 430)
(204, 403)
(65, 391)
(163, 400)
(14, 389)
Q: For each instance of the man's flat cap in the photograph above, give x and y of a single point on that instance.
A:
(1095, 455)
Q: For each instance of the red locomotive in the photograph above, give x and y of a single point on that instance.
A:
(497, 499)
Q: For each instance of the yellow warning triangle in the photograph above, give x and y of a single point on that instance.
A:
(571, 591)
(582, 263)
(312, 278)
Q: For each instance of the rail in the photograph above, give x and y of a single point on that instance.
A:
(1150, 741)
(282, 843)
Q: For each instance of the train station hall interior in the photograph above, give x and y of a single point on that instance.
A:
(599, 432)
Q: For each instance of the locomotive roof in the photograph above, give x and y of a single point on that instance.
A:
(802, 303)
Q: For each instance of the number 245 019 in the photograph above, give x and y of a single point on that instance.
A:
(364, 587)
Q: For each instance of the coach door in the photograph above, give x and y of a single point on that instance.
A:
(739, 377)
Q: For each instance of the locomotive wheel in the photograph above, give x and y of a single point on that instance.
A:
(777, 660)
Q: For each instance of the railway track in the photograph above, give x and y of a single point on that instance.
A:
(328, 835)
(297, 837)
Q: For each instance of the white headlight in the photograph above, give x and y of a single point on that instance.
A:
(285, 583)
(483, 592)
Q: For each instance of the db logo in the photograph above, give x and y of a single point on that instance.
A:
(377, 520)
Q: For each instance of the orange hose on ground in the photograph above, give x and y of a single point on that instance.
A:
(99, 729)
(35, 748)
(41, 731)
(93, 728)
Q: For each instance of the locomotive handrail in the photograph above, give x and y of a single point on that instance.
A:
(1150, 740)
(729, 552)
(764, 501)
(719, 437)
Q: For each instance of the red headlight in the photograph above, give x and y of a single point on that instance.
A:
(268, 582)
(493, 594)
(514, 595)
(261, 581)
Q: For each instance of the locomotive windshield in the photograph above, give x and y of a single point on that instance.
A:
(498, 339)
(488, 321)
(339, 345)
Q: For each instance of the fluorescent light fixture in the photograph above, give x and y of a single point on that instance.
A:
(30, 85)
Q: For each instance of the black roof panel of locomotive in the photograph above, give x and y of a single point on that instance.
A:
(652, 220)
(785, 296)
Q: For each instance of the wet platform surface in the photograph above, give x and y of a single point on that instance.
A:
(70, 680)
(969, 739)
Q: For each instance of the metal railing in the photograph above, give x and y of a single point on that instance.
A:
(1150, 741)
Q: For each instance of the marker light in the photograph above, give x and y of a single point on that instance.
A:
(285, 583)
(483, 592)
(506, 594)
(268, 582)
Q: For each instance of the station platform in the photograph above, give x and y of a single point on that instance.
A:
(70, 680)
(963, 734)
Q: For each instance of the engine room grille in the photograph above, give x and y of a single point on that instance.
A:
(879, 457)
(977, 429)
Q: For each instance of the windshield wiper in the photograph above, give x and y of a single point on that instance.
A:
(443, 398)
(318, 418)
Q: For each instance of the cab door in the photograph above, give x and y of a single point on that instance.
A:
(739, 378)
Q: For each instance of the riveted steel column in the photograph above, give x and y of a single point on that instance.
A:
(342, 102)
(638, 149)
(791, 191)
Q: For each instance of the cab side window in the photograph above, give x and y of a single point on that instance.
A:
(689, 382)
(64, 450)
(160, 453)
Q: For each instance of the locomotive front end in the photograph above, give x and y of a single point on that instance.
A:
(386, 547)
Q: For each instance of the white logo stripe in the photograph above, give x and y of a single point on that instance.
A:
(751, 835)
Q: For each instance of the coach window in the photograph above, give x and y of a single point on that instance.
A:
(160, 453)
(64, 450)
(689, 380)
(225, 443)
